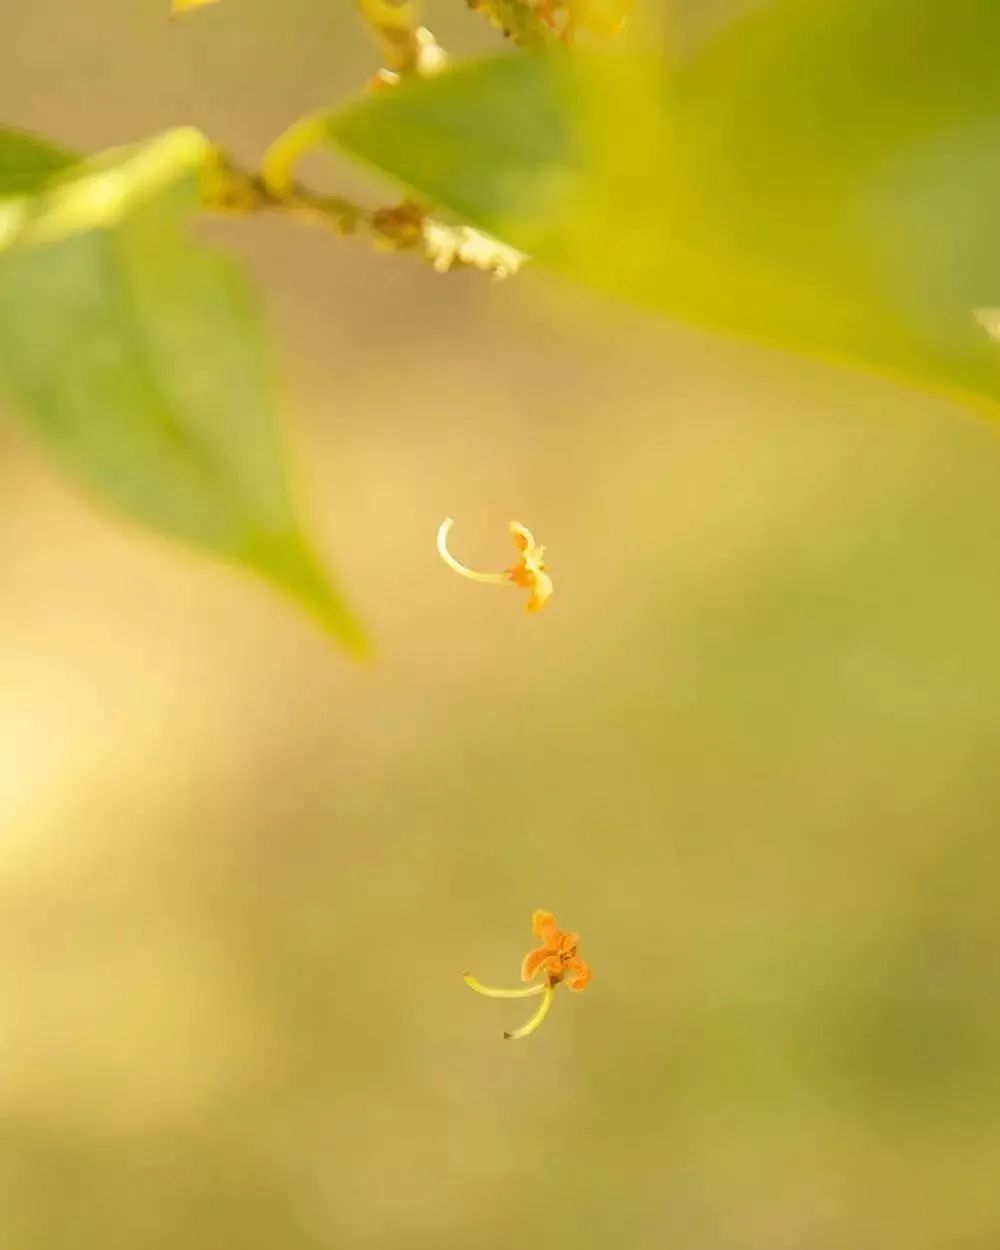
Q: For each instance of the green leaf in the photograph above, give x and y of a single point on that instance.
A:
(822, 178)
(27, 163)
(135, 357)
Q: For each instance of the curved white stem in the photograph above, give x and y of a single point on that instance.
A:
(459, 568)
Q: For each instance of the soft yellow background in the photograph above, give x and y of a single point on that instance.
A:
(749, 752)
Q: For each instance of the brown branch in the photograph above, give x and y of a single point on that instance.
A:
(402, 228)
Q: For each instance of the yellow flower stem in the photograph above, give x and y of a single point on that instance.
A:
(281, 157)
(537, 1018)
(489, 992)
(500, 579)
(394, 25)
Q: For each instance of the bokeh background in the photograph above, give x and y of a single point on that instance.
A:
(750, 752)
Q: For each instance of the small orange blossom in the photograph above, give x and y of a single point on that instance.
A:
(529, 572)
(557, 958)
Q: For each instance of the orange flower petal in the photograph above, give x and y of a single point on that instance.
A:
(521, 576)
(543, 926)
(567, 942)
(521, 535)
(541, 592)
(534, 961)
(577, 974)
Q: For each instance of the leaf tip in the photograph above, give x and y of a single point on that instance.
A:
(293, 567)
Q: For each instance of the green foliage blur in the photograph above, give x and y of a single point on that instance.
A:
(134, 355)
(749, 752)
(818, 176)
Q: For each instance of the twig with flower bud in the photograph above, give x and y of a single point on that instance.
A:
(407, 47)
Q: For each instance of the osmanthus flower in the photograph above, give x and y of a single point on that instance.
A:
(529, 572)
(556, 959)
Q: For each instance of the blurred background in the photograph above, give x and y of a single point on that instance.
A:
(750, 752)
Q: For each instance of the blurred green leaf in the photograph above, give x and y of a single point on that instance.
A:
(136, 358)
(27, 163)
(818, 177)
